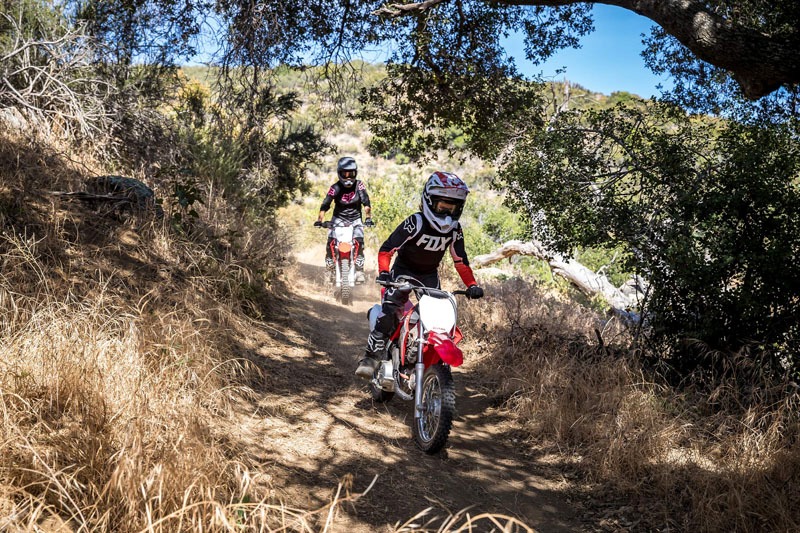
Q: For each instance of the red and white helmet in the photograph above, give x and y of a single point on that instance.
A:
(443, 200)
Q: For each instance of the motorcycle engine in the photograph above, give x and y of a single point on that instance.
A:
(412, 345)
(386, 375)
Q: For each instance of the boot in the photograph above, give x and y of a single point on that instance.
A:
(374, 353)
(360, 279)
(331, 270)
(367, 367)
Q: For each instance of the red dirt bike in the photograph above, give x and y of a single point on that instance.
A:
(345, 250)
(418, 360)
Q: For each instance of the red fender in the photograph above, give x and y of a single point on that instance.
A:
(441, 346)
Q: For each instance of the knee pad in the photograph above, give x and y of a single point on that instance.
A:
(387, 323)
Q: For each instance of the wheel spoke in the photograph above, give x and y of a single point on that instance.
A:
(432, 409)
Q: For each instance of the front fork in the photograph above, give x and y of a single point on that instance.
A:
(338, 270)
(419, 372)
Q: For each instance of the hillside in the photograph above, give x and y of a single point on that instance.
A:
(153, 390)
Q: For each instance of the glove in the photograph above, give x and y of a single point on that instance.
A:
(474, 292)
(318, 224)
(383, 277)
(368, 222)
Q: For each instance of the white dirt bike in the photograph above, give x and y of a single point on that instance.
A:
(345, 251)
(419, 356)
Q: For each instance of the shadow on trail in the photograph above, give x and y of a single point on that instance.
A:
(310, 390)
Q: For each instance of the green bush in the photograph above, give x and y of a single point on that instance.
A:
(706, 211)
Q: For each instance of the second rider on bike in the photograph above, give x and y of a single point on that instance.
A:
(348, 195)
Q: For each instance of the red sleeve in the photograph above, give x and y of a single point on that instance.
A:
(460, 258)
(466, 274)
(384, 261)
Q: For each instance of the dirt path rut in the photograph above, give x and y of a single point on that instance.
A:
(316, 427)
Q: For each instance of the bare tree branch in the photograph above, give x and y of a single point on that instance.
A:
(47, 80)
(396, 10)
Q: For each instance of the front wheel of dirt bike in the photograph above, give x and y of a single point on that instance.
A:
(346, 296)
(432, 428)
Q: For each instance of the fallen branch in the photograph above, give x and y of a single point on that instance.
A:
(622, 300)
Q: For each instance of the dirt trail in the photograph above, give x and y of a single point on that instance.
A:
(316, 426)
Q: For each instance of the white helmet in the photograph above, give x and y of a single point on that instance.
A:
(443, 200)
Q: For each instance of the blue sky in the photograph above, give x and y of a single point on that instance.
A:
(609, 59)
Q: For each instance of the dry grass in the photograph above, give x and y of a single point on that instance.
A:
(686, 461)
(461, 522)
(124, 365)
(118, 373)
(109, 408)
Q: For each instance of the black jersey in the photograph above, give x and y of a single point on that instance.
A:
(347, 203)
(420, 248)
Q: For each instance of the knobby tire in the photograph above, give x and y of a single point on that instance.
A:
(432, 428)
(345, 294)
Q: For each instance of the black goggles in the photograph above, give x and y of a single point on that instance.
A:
(445, 206)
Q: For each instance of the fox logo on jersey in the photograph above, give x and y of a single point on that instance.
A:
(432, 243)
(410, 225)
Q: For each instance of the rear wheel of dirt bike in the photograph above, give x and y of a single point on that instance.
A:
(346, 296)
(432, 428)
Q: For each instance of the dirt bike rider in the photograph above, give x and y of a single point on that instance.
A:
(348, 196)
(420, 242)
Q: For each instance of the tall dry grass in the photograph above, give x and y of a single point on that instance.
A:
(687, 459)
(121, 366)
(109, 411)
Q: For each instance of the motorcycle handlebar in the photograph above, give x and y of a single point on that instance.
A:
(406, 285)
(328, 224)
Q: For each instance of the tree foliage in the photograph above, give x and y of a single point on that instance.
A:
(707, 209)
(82, 62)
(754, 41)
(47, 74)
